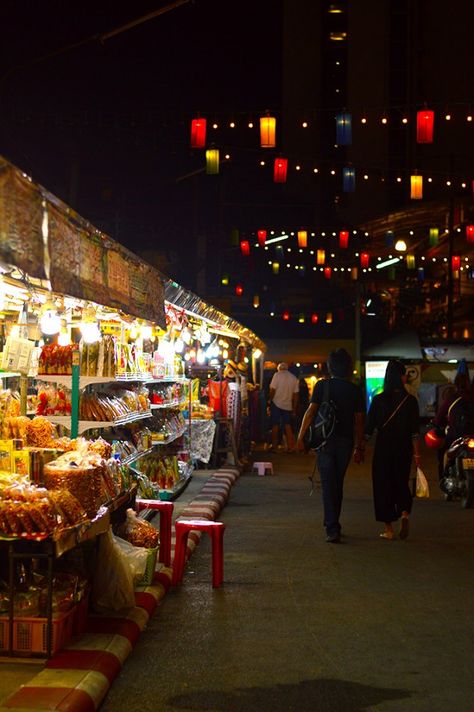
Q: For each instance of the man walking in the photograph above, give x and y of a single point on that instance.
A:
(334, 457)
(283, 398)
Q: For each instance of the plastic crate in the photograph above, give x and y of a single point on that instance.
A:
(30, 634)
(150, 567)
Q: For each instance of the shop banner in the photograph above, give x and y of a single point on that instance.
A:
(89, 265)
(21, 216)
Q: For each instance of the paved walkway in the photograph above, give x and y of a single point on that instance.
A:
(308, 626)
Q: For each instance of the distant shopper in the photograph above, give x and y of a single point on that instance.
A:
(455, 415)
(333, 459)
(283, 400)
(394, 416)
(303, 401)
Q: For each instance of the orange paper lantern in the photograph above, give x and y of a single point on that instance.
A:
(302, 238)
(267, 132)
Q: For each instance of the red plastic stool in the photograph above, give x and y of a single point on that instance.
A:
(166, 513)
(215, 531)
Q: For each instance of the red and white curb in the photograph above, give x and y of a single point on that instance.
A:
(78, 677)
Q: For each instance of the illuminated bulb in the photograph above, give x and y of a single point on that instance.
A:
(178, 346)
(363, 120)
(200, 356)
(63, 338)
(448, 117)
(384, 120)
(50, 323)
(401, 245)
(90, 332)
(147, 332)
(225, 354)
(404, 120)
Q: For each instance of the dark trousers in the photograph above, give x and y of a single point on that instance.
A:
(333, 461)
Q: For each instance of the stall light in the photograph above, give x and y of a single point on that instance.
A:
(257, 353)
(200, 356)
(147, 332)
(50, 322)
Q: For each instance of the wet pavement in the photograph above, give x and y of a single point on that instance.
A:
(300, 624)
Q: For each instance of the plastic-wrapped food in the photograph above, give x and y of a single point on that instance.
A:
(138, 531)
(112, 586)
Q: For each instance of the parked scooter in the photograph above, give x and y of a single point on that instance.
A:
(458, 474)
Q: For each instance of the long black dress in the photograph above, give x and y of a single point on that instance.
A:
(393, 452)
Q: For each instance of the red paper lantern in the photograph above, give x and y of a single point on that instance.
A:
(343, 238)
(455, 263)
(286, 315)
(364, 260)
(424, 126)
(245, 247)
(327, 272)
(470, 233)
(198, 133)
(262, 237)
(239, 290)
(314, 318)
(280, 168)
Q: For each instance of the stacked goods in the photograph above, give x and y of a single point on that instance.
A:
(138, 531)
(53, 401)
(29, 510)
(86, 474)
(107, 407)
(166, 424)
(55, 359)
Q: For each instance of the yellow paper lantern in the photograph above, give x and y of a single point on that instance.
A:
(321, 257)
(267, 132)
(410, 261)
(212, 161)
(275, 267)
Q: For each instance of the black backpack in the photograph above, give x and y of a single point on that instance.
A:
(324, 421)
(461, 417)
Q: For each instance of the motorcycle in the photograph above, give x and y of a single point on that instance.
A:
(458, 474)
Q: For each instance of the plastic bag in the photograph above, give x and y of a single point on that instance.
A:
(112, 586)
(422, 488)
(136, 556)
(138, 531)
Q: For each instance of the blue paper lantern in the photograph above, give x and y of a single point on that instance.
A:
(421, 274)
(389, 238)
(344, 129)
(348, 179)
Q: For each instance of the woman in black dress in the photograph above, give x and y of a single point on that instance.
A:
(394, 416)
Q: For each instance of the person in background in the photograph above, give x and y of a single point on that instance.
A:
(283, 400)
(394, 416)
(303, 401)
(334, 457)
(444, 418)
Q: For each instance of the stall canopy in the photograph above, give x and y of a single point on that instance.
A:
(191, 303)
(45, 239)
(404, 346)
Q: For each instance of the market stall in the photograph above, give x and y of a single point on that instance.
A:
(98, 406)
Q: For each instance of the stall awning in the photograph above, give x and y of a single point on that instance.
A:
(182, 298)
(404, 346)
(46, 239)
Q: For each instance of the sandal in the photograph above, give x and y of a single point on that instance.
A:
(387, 535)
(404, 528)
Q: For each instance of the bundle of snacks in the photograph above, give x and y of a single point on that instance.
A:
(53, 401)
(15, 427)
(56, 359)
(138, 531)
(103, 407)
(27, 509)
(80, 476)
(39, 432)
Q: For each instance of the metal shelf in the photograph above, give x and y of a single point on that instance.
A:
(84, 425)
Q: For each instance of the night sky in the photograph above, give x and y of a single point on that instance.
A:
(105, 126)
(104, 123)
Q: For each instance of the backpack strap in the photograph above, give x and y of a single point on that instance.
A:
(395, 411)
(453, 404)
(325, 390)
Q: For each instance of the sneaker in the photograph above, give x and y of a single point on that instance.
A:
(333, 538)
